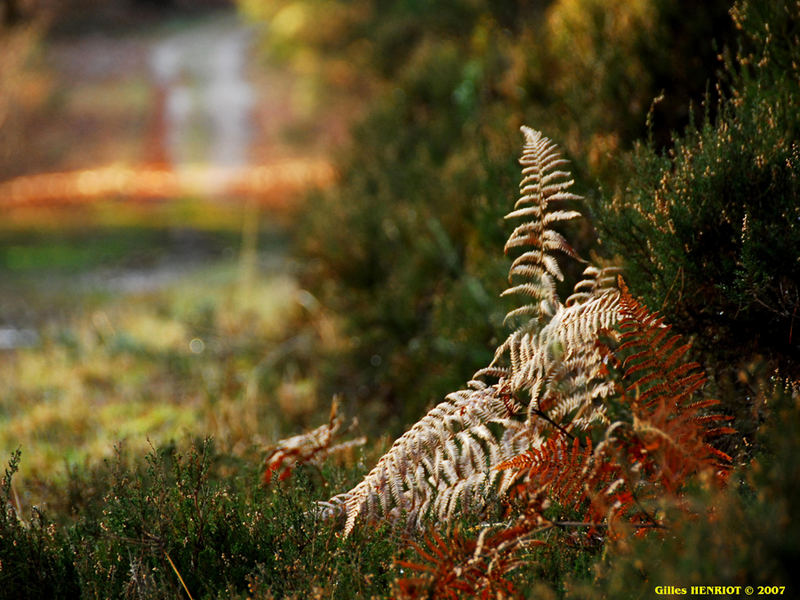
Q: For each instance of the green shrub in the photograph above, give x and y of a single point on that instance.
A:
(744, 535)
(145, 527)
(710, 230)
(398, 250)
(35, 556)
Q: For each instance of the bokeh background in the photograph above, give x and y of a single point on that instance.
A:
(149, 164)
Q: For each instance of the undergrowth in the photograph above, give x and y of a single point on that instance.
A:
(186, 520)
(113, 530)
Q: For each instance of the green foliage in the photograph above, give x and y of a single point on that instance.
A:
(710, 231)
(399, 248)
(35, 557)
(130, 526)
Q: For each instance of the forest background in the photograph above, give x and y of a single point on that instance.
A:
(681, 124)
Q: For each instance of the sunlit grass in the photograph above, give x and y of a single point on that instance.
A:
(184, 360)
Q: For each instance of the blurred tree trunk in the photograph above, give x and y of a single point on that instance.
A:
(11, 14)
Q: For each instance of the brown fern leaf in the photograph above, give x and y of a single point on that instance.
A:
(311, 447)
(459, 567)
(521, 461)
(651, 451)
(594, 281)
(442, 463)
(579, 479)
(445, 461)
(559, 370)
(669, 429)
(462, 567)
(551, 365)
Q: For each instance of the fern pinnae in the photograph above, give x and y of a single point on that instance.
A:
(544, 290)
(530, 210)
(446, 459)
(543, 182)
(529, 310)
(438, 443)
(493, 372)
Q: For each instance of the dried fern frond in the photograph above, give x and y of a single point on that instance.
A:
(551, 361)
(657, 443)
(311, 447)
(460, 567)
(559, 369)
(594, 281)
(551, 387)
(580, 479)
(444, 461)
(542, 184)
(549, 373)
(669, 429)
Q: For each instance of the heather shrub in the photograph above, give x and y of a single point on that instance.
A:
(186, 519)
(35, 556)
(709, 230)
(743, 535)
